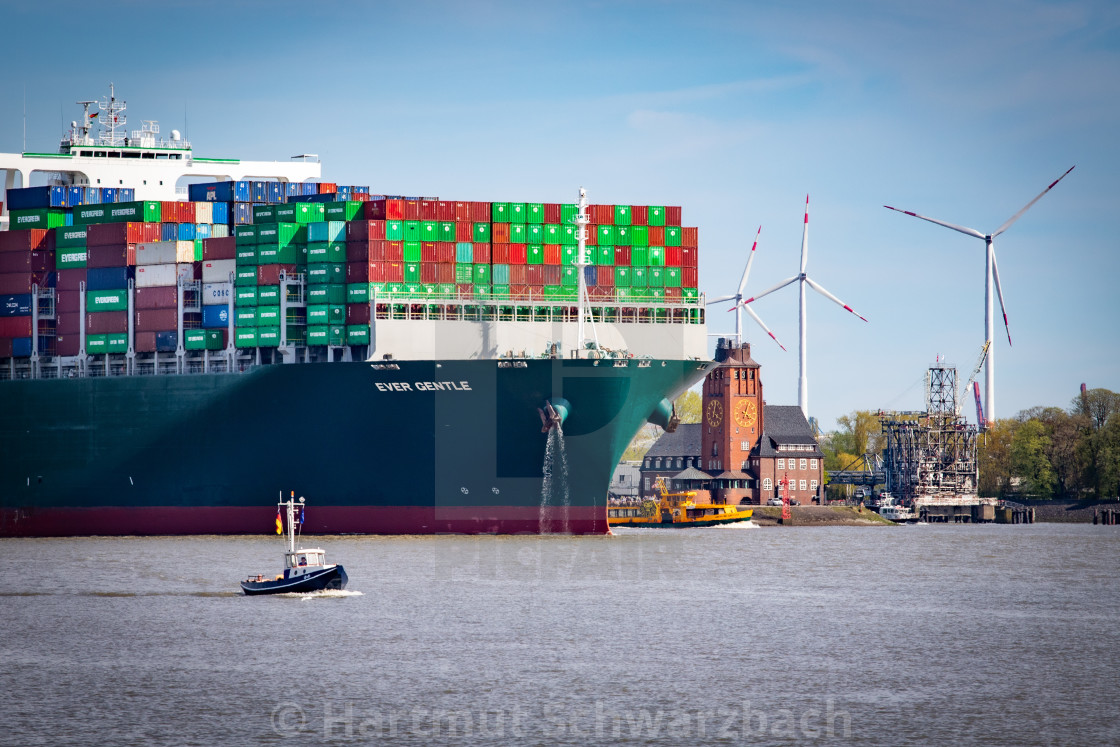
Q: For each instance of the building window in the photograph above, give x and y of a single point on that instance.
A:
(781, 464)
(678, 462)
(744, 445)
(715, 449)
(802, 485)
(767, 485)
(813, 485)
(804, 464)
(812, 464)
(647, 483)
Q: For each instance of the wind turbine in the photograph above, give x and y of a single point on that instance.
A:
(738, 297)
(991, 273)
(802, 279)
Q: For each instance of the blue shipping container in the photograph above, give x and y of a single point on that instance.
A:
(166, 342)
(220, 192)
(107, 278)
(108, 194)
(32, 198)
(215, 317)
(276, 192)
(309, 188)
(91, 196)
(17, 305)
(126, 194)
(202, 230)
(169, 232)
(219, 213)
(186, 232)
(260, 192)
(76, 195)
(591, 275)
(242, 214)
(21, 346)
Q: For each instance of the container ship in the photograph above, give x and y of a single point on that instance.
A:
(172, 356)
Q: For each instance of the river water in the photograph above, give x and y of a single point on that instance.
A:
(1005, 635)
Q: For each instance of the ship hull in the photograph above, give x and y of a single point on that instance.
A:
(414, 447)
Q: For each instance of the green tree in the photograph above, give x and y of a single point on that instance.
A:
(1099, 405)
(1029, 462)
(861, 432)
(688, 406)
(994, 458)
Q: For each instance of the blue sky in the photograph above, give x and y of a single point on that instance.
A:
(963, 111)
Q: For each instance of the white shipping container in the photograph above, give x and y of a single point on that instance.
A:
(218, 270)
(216, 293)
(203, 212)
(186, 270)
(156, 252)
(219, 231)
(151, 276)
(184, 251)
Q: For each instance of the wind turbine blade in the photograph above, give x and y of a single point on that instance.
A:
(750, 259)
(764, 327)
(999, 295)
(962, 229)
(805, 237)
(826, 294)
(1015, 217)
(768, 291)
(721, 299)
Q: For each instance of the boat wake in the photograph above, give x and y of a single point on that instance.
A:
(736, 525)
(555, 500)
(325, 594)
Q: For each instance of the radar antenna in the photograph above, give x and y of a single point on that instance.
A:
(113, 123)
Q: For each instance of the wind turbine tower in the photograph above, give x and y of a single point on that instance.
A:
(738, 297)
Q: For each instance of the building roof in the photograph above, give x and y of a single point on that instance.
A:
(786, 424)
(683, 442)
(733, 475)
(692, 474)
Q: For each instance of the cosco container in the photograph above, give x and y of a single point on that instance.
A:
(216, 316)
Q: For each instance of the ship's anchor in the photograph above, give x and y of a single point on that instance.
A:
(554, 413)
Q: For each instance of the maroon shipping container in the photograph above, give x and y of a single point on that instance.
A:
(169, 212)
(672, 215)
(657, 236)
(639, 215)
(384, 210)
(106, 234)
(386, 272)
(363, 230)
(480, 253)
(429, 209)
(552, 255)
(223, 248)
(6, 348)
(464, 290)
(357, 272)
(15, 326)
(674, 256)
(270, 274)
(552, 274)
(622, 256)
(71, 279)
(26, 240)
(158, 297)
(689, 255)
(602, 215)
(411, 209)
(600, 293)
(462, 213)
(672, 294)
(604, 276)
(445, 251)
(67, 302)
(37, 261)
(518, 254)
(360, 250)
(394, 251)
(116, 255)
(552, 212)
(428, 251)
(357, 313)
(480, 212)
(429, 272)
(536, 275)
(445, 210)
(105, 322)
(12, 283)
(464, 231)
(519, 274)
(156, 320)
(499, 254)
(145, 342)
(689, 277)
(520, 290)
(186, 212)
(499, 233)
(64, 344)
(690, 236)
(445, 273)
(68, 323)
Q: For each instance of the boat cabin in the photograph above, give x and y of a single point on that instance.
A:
(301, 561)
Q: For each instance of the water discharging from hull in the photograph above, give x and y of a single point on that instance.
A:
(555, 501)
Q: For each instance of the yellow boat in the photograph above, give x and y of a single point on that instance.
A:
(676, 510)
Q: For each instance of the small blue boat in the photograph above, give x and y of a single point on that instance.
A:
(305, 569)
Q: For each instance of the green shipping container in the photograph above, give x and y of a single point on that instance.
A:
(19, 220)
(690, 294)
(394, 230)
(245, 337)
(639, 277)
(534, 212)
(622, 215)
(146, 211)
(639, 256)
(318, 334)
(552, 234)
(604, 235)
(672, 277)
(656, 294)
(198, 250)
(97, 344)
(672, 236)
(344, 211)
(357, 293)
(202, 339)
(534, 254)
(268, 337)
(322, 293)
(568, 255)
(268, 295)
(412, 251)
(464, 273)
(518, 233)
(429, 230)
(412, 230)
(622, 235)
(268, 316)
(282, 234)
(68, 236)
(656, 277)
(622, 277)
(326, 272)
(569, 276)
(245, 235)
(446, 231)
(246, 275)
(245, 296)
(481, 274)
(481, 233)
(499, 212)
(300, 212)
(656, 256)
(482, 290)
(320, 252)
(568, 212)
(604, 256)
(568, 236)
(655, 215)
(107, 300)
(412, 272)
(246, 254)
(357, 334)
(517, 212)
(639, 236)
(534, 233)
(245, 316)
(499, 291)
(264, 214)
(70, 257)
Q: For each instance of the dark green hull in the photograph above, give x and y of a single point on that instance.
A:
(421, 447)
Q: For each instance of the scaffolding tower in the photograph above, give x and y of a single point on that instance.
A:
(930, 457)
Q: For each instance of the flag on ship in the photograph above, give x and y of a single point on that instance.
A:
(279, 524)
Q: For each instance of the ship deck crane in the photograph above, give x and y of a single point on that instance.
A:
(971, 379)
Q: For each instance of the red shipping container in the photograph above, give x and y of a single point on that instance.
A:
(689, 255)
(12, 283)
(674, 256)
(394, 251)
(363, 250)
(622, 256)
(690, 236)
(462, 213)
(357, 272)
(480, 212)
(480, 253)
(552, 274)
(223, 248)
(156, 320)
(386, 272)
(429, 210)
(429, 272)
(464, 231)
(604, 277)
(518, 254)
(105, 234)
(168, 211)
(464, 290)
(360, 196)
(657, 236)
(384, 209)
(445, 251)
(71, 278)
(672, 215)
(105, 322)
(65, 344)
(145, 342)
(67, 302)
(445, 272)
(357, 313)
(672, 294)
(428, 251)
(27, 240)
(519, 274)
(158, 297)
(361, 230)
(602, 215)
(552, 255)
(499, 254)
(689, 277)
(445, 211)
(26, 261)
(411, 209)
(536, 274)
(186, 212)
(499, 233)
(552, 212)
(270, 274)
(600, 293)
(520, 290)
(639, 215)
(15, 326)
(327, 188)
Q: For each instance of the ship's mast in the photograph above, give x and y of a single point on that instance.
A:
(584, 303)
(113, 120)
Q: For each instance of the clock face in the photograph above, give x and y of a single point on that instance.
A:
(715, 413)
(746, 412)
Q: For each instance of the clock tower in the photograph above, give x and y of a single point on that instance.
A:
(732, 423)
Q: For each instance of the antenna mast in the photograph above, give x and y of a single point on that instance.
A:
(113, 120)
(584, 304)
